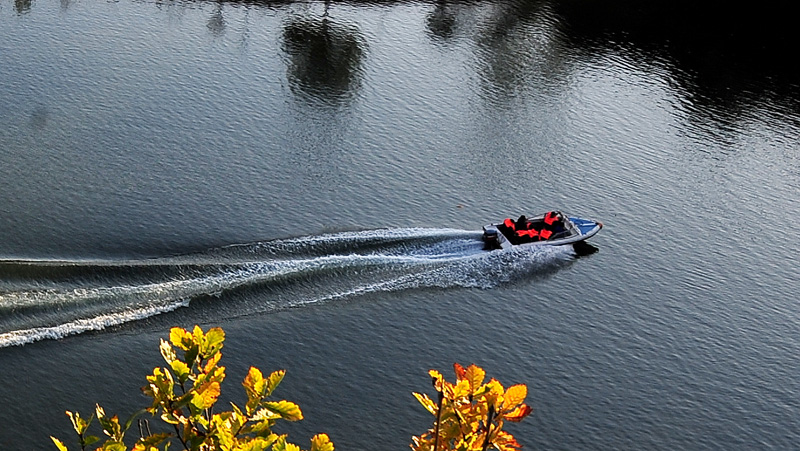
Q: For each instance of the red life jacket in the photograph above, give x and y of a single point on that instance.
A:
(508, 222)
(531, 233)
(551, 217)
(545, 234)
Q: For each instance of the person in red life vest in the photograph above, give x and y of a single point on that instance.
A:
(553, 224)
(528, 236)
(525, 232)
(551, 217)
(507, 228)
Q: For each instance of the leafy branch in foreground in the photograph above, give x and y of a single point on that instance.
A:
(470, 414)
(184, 395)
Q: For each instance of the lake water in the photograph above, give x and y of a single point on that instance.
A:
(312, 177)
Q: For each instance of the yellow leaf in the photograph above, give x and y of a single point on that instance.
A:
(180, 338)
(426, 402)
(214, 338)
(321, 442)
(167, 352)
(274, 380)
(286, 409)
(280, 443)
(514, 396)
(254, 381)
(494, 392)
(180, 369)
(438, 380)
(59, 444)
(461, 389)
(265, 414)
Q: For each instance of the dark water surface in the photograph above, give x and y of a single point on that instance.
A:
(312, 177)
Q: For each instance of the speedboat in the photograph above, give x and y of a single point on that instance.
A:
(549, 229)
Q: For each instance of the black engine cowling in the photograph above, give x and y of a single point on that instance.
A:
(491, 240)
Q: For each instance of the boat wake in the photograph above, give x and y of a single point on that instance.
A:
(53, 299)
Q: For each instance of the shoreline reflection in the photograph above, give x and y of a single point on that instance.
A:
(324, 58)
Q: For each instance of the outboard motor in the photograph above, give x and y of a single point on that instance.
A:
(490, 240)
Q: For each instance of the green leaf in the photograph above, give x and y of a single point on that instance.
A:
(181, 370)
(130, 419)
(114, 446)
(161, 387)
(59, 444)
(183, 401)
(190, 356)
(280, 443)
(153, 440)
(213, 341)
(261, 424)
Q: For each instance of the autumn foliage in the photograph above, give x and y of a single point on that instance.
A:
(469, 413)
(184, 394)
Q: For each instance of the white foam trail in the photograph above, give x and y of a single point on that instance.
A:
(172, 294)
(432, 267)
(21, 337)
(364, 236)
(411, 232)
(468, 275)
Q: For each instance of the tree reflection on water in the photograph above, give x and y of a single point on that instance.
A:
(324, 58)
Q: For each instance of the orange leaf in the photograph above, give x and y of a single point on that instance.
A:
(475, 375)
(519, 413)
(506, 442)
(460, 371)
(206, 395)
